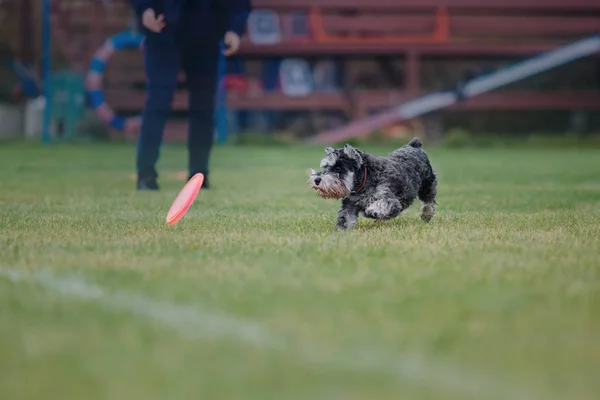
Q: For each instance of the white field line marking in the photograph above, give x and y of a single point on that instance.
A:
(201, 325)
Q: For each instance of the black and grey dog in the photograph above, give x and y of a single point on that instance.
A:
(376, 187)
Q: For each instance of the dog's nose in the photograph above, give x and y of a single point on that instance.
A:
(317, 181)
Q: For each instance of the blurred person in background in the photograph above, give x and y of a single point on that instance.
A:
(184, 34)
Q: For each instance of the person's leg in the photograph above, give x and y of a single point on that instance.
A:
(162, 59)
(200, 63)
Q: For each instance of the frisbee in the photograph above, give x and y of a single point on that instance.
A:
(184, 199)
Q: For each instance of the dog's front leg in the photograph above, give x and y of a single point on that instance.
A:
(347, 216)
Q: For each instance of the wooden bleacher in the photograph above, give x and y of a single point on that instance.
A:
(415, 31)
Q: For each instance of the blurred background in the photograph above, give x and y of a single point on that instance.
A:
(308, 67)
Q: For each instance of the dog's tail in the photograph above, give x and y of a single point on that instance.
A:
(416, 143)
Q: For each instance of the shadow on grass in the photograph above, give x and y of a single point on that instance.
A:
(409, 222)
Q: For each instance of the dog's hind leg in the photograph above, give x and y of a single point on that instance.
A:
(427, 195)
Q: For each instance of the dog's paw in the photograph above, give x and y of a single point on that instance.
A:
(427, 212)
(426, 217)
(371, 213)
(382, 209)
(341, 228)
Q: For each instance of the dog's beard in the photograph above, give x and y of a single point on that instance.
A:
(330, 187)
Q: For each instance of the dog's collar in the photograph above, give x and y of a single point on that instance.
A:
(364, 182)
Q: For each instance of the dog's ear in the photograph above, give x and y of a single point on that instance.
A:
(352, 153)
(330, 159)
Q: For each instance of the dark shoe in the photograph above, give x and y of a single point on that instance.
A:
(147, 184)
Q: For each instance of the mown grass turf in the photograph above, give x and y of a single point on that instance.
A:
(498, 297)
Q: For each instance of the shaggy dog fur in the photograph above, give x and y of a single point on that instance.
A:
(376, 187)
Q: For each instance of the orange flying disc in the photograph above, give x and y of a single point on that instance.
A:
(184, 199)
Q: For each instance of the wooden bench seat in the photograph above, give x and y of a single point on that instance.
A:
(501, 100)
(132, 100)
(475, 27)
(443, 49)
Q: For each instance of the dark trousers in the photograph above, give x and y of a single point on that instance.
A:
(165, 54)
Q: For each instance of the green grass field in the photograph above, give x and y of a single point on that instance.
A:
(254, 295)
